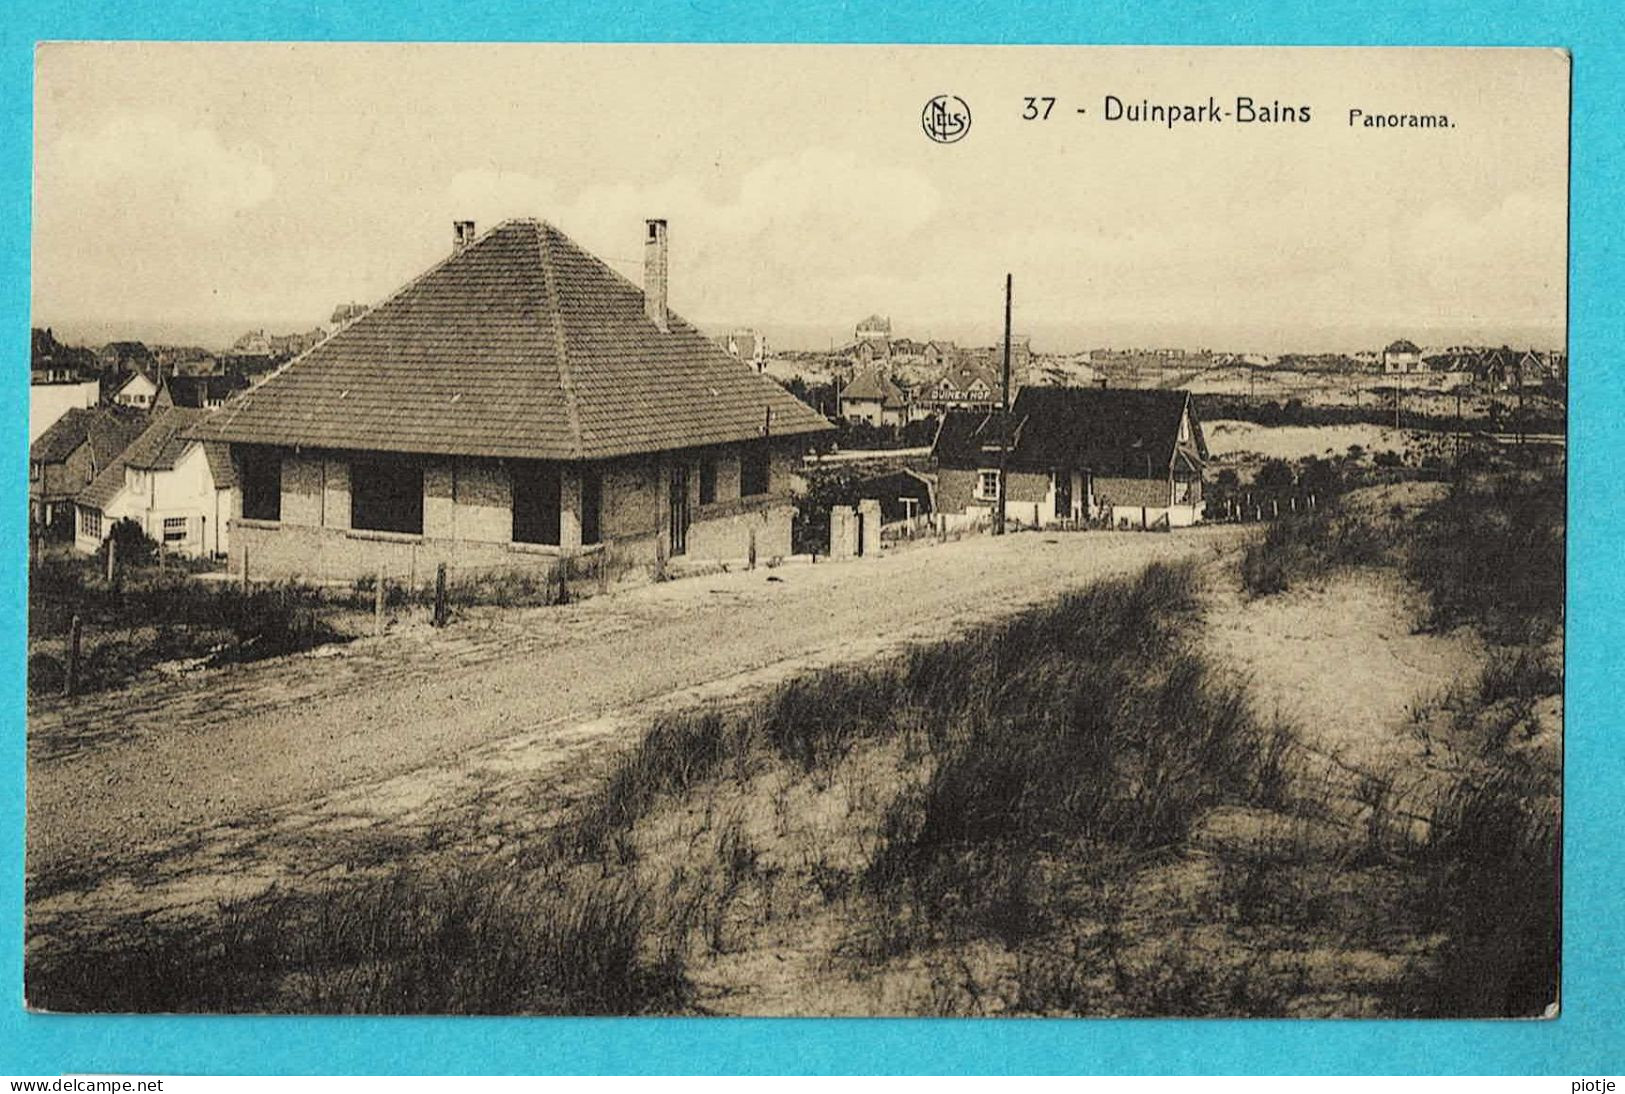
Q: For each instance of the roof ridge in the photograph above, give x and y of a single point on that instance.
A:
(572, 409)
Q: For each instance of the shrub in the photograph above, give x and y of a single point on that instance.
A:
(134, 546)
(1493, 848)
(1275, 475)
(1310, 545)
(157, 617)
(471, 942)
(1492, 554)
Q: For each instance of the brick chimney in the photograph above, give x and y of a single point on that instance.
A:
(654, 274)
(462, 234)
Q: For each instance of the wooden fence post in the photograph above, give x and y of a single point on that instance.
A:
(750, 556)
(112, 557)
(378, 604)
(440, 595)
(70, 680)
(245, 567)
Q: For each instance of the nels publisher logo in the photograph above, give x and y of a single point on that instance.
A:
(946, 118)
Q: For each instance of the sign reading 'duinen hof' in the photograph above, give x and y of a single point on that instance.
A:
(778, 530)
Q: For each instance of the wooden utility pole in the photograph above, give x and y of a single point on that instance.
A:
(1461, 425)
(1004, 435)
(1519, 376)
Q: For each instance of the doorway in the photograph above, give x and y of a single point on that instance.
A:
(679, 509)
(1063, 494)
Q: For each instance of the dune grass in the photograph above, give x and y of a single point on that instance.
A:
(1043, 843)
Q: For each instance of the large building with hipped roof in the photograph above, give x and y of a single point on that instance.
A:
(518, 402)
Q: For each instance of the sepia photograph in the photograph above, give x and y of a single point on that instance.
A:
(796, 530)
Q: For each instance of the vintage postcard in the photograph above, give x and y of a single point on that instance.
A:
(796, 530)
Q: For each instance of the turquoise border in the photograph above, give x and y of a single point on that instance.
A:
(1586, 1039)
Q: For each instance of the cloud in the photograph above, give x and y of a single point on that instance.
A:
(785, 240)
(147, 215)
(489, 195)
(152, 162)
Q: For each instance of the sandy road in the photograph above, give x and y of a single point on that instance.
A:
(464, 727)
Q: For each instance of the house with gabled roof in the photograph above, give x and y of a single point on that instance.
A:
(874, 327)
(873, 397)
(178, 488)
(204, 392)
(518, 402)
(1126, 457)
(1402, 355)
(966, 383)
(868, 352)
(139, 390)
(69, 455)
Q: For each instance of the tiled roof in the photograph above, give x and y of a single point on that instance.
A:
(1113, 432)
(104, 487)
(159, 446)
(221, 468)
(520, 345)
(873, 386)
(1404, 345)
(164, 441)
(197, 391)
(107, 429)
(966, 371)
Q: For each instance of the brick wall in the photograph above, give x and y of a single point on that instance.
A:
(468, 524)
(1133, 492)
(956, 488)
(724, 531)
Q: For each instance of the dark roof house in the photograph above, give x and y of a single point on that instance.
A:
(1095, 449)
(201, 392)
(176, 487)
(557, 402)
(875, 387)
(76, 448)
(520, 345)
(1107, 430)
(159, 447)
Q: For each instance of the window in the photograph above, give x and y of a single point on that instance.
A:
(535, 502)
(708, 479)
(387, 496)
(592, 500)
(90, 522)
(33, 471)
(261, 484)
(1185, 427)
(174, 529)
(753, 471)
(987, 485)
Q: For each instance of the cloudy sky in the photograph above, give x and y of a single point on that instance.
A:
(200, 190)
